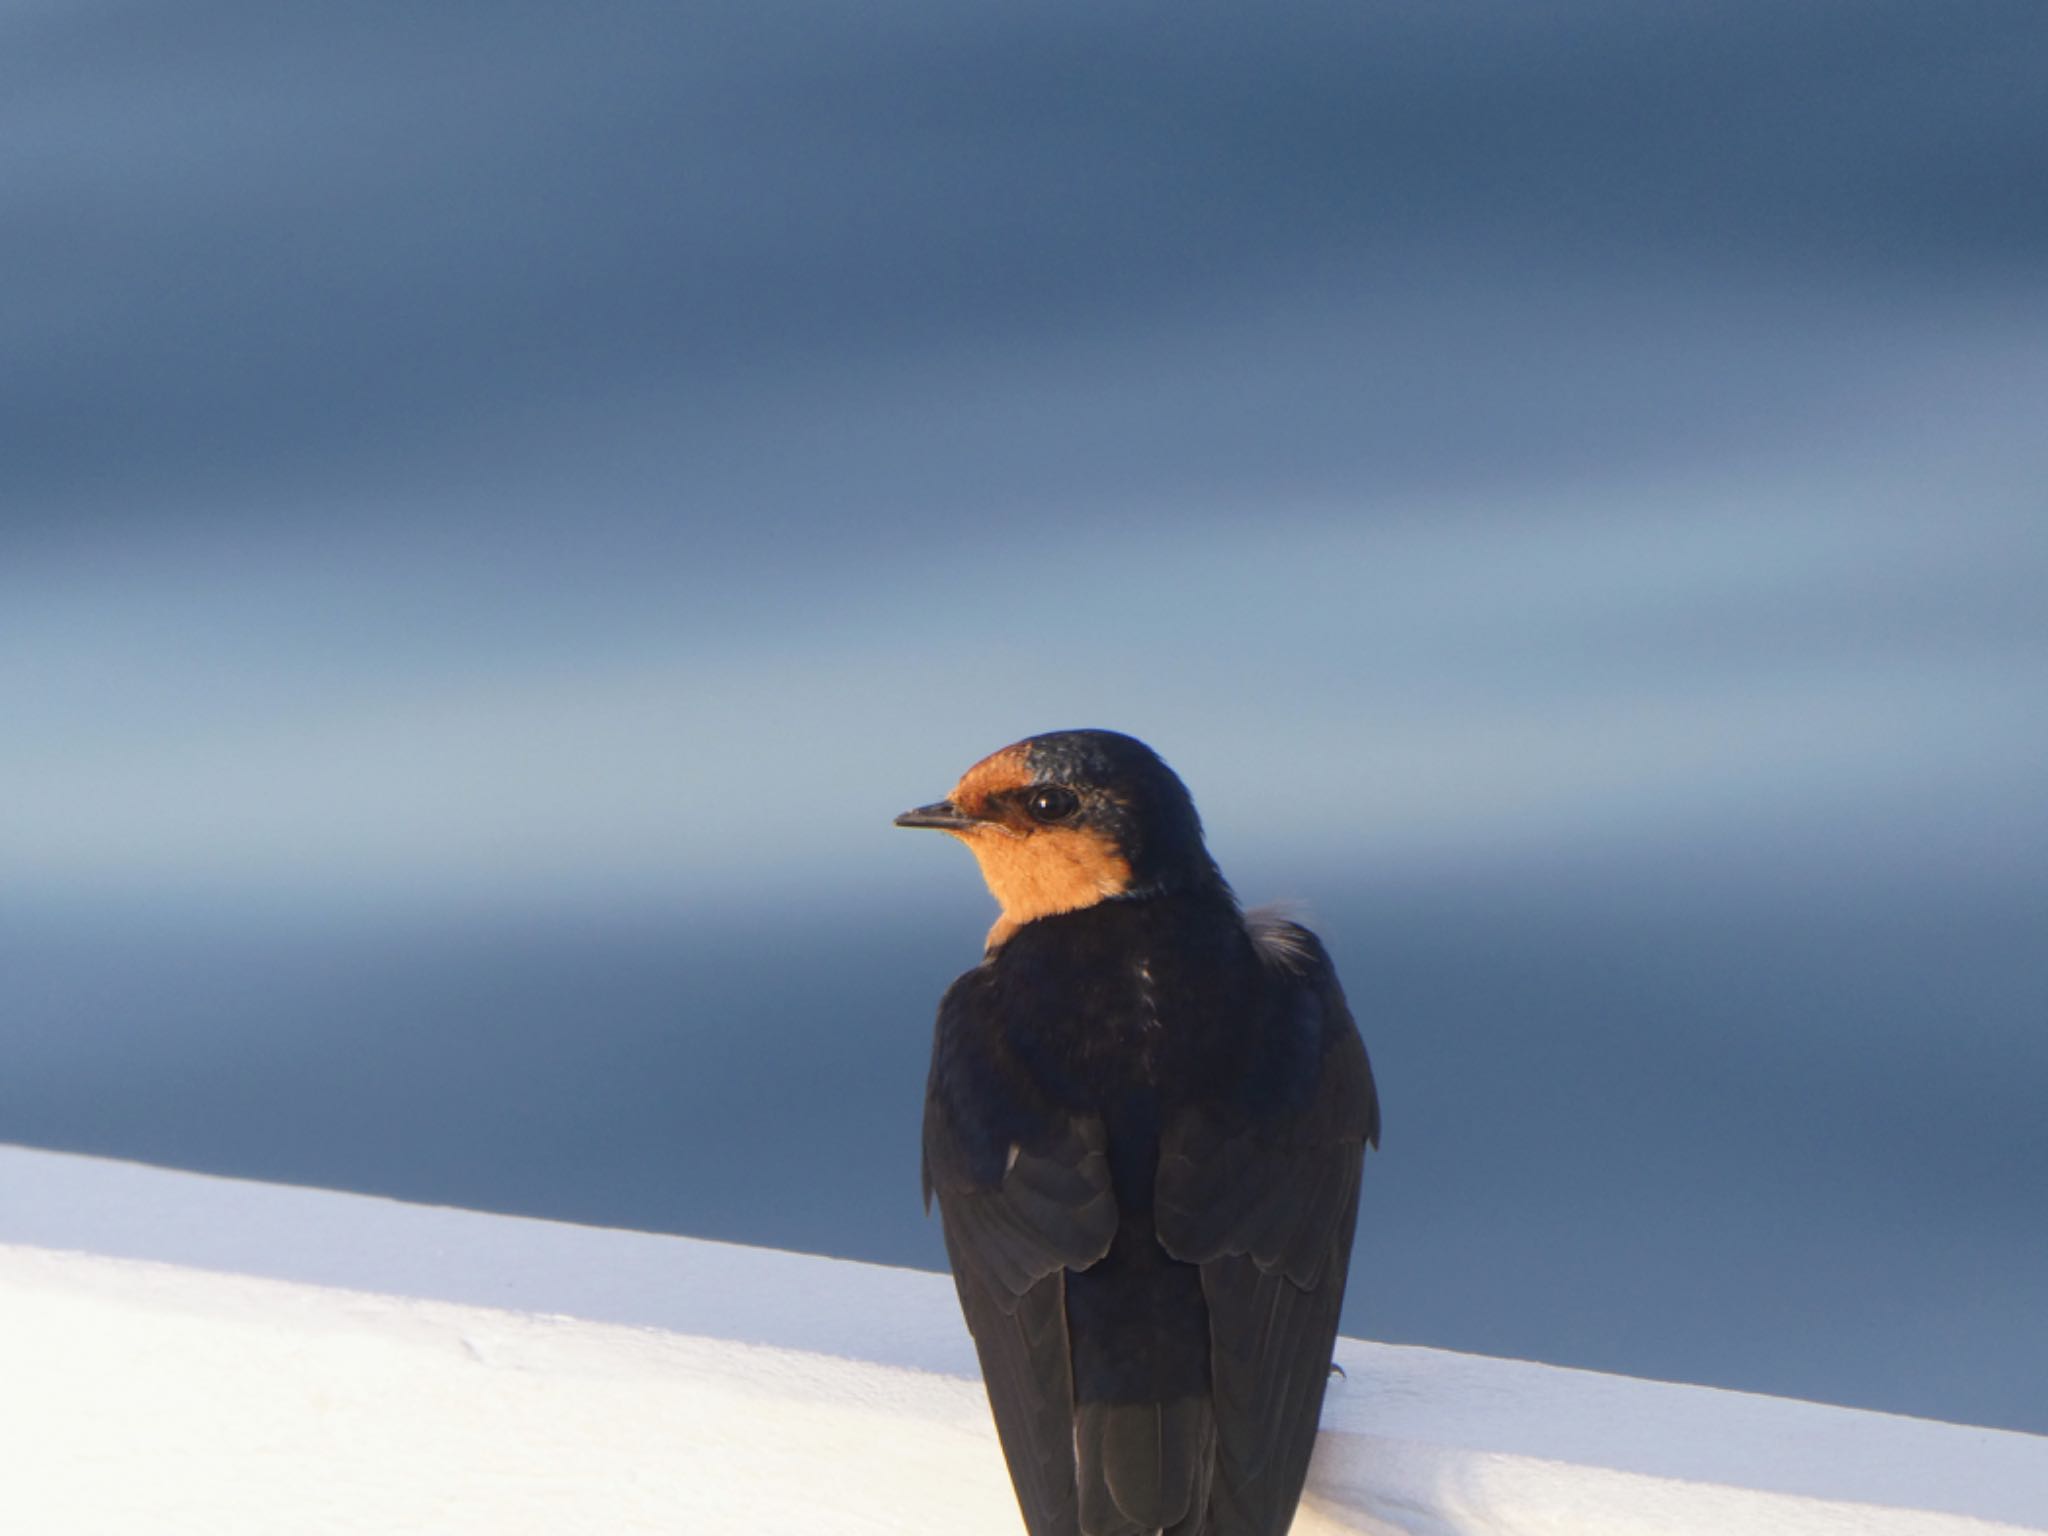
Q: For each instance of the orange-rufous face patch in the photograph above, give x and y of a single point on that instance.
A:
(1007, 769)
(1032, 870)
(1045, 870)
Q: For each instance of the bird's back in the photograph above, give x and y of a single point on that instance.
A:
(1118, 1096)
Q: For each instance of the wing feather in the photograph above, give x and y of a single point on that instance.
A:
(1016, 1217)
(1024, 1363)
(1263, 1195)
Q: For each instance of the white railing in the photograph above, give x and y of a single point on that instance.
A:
(192, 1354)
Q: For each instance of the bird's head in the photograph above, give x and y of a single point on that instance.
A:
(1071, 818)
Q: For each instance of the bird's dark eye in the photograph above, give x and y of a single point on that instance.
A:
(1051, 802)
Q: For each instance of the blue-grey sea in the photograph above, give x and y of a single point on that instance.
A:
(1705, 1139)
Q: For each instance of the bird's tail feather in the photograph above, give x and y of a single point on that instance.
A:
(1144, 1467)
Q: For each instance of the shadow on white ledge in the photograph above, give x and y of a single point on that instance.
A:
(189, 1354)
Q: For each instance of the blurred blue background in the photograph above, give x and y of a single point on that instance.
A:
(503, 503)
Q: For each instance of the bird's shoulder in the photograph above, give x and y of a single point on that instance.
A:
(1269, 1166)
(1310, 1059)
(975, 1102)
(1023, 1183)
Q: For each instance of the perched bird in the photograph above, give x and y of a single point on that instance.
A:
(1144, 1126)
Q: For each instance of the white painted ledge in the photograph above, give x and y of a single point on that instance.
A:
(185, 1354)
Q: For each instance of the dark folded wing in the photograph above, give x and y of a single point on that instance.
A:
(1263, 1195)
(1017, 1216)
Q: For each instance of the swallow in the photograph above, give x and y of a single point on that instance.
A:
(1144, 1126)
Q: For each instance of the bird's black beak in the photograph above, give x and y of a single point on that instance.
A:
(942, 814)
